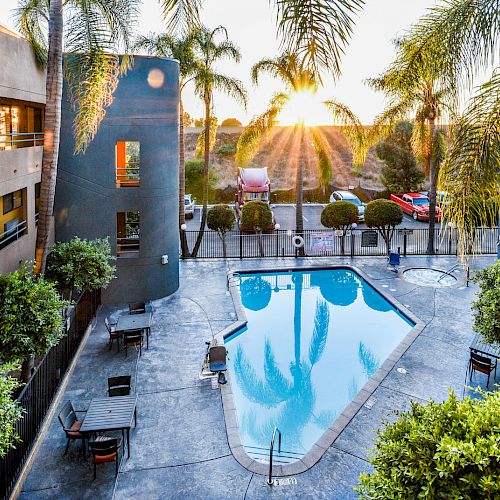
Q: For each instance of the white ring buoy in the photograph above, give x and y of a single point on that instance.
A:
(298, 241)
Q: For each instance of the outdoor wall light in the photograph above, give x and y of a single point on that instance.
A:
(183, 227)
(354, 226)
(277, 226)
(289, 232)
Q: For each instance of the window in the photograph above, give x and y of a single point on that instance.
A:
(21, 124)
(128, 164)
(13, 217)
(12, 201)
(127, 234)
(37, 201)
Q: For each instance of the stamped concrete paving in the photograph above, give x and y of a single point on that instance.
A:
(180, 448)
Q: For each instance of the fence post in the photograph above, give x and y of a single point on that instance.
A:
(277, 242)
(241, 245)
(352, 243)
(405, 239)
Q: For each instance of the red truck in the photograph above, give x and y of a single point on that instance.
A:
(416, 205)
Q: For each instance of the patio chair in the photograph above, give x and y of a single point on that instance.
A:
(133, 338)
(137, 308)
(483, 364)
(119, 386)
(113, 334)
(71, 425)
(104, 450)
(394, 260)
(217, 362)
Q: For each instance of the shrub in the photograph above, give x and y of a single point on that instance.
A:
(256, 216)
(255, 293)
(231, 122)
(81, 264)
(10, 410)
(340, 215)
(384, 215)
(226, 150)
(438, 450)
(221, 218)
(31, 312)
(487, 306)
(194, 178)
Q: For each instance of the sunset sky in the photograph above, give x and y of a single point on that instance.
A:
(251, 25)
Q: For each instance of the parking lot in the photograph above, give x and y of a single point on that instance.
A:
(285, 217)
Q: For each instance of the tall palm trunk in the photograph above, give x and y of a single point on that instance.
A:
(297, 324)
(299, 219)
(208, 103)
(52, 129)
(432, 187)
(182, 179)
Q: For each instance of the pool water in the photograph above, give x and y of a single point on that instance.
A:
(312, 340)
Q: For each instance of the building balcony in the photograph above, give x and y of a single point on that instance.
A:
(20, 140)
(13, 233)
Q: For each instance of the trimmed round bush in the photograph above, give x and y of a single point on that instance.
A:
(221, 218)
(379, 213)
(256, 216)
(339, 214)
(438, 450)
(255, 293)
(231, 122)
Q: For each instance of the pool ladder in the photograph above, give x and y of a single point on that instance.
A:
(448, 273)
(271, 449)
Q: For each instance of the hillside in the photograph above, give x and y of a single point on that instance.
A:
(280, 154)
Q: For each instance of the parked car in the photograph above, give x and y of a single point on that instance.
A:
(189, 205)
(416, 205)
(352, 198)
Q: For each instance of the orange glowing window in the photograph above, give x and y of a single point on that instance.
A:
(128, 164)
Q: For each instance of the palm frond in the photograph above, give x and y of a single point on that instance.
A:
(200, 140)
(32, 19)
(181, 14)
(317, 31)
(275, 379)
(231, 87)
(368, 360)
(250, 139)
(320, 332)
(321, 148)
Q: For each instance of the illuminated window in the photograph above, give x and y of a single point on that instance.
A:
(127, 234)
(37, 202)
(13, 217)
(128, 164)
(12, 201)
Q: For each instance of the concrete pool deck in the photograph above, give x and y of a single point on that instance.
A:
(180, 446)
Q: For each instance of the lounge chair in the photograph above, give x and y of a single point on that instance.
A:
(217, 359)
(394, 261)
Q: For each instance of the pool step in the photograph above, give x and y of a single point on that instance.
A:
(262, 455)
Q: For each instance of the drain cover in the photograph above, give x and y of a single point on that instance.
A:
(369, 404)
(401, 370)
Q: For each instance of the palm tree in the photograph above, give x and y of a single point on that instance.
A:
(96, 31)
(206, 80)
(419, 90)
(182, 49)
(288, 68)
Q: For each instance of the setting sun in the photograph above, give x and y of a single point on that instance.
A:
(304, 106)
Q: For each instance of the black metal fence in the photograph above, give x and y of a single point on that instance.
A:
(37, 395)
(330, 243)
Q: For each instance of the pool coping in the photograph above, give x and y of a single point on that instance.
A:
(338, 425)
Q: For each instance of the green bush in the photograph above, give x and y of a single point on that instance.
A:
(487, 306)
(81, 264)
(384, 215)
(221, 218)
(226, 150)
(10, 410)
(438, 450)
(194, 178)
(339, 215)
(31, 312)
(256, 216)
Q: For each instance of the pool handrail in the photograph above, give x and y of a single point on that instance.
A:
(271, 450)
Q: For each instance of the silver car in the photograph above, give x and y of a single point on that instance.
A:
(189, 206)
(352, 198)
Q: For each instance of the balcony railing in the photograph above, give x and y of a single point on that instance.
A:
(128, 176)
(20, 140)
(13, 234)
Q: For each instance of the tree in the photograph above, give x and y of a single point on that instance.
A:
(487, 305)
(438, 450)
(199, 122)
(199, 151)
(98, 30)
(31, 312)
(195, 178)
(221, 218)
(400, 174)
(256, 216)
(81, 264)
(187, 120)
(10, 410)
(340, 215)
(182, 49)
(231, 122)
(298, 81)
(384, 215)
(207, 80)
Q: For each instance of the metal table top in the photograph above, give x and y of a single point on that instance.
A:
(480, 347)
(133, 322)
(109, 414)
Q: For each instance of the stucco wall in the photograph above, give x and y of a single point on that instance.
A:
(144, 109)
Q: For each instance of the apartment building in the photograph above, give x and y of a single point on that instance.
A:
(22, 102)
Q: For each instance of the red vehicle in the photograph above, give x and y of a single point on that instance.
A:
(416, 205)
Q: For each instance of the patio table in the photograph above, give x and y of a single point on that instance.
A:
(128, 322)
(480, 347)
(111, 414)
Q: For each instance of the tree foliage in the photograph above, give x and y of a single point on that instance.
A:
(400, 174)
(31, 312)
(221, 218)
(438, 450)
(81, 264)
(200, 140)
(194, 178)
(486, 307)
(256, 216)
(231, 122)
(384, 215)
(340, 215)
(10, 410)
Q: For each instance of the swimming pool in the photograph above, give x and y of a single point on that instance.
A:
(313, 338)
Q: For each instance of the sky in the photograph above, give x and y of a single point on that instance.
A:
(251, 26)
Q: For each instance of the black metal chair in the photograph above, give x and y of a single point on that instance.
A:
(71, 425)
(483, 364)
(133, 338)
(105, 450)
(137, 308)
(113, 334)
(119, 386)
(217, 362)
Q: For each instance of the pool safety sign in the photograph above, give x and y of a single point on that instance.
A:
(369, 239)
(321, 242)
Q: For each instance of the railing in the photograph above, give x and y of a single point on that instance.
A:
(326, 243)
(271, 450)
(20, 140)
(127, 247)
(128, 176)
(37, 395)
(13, 234)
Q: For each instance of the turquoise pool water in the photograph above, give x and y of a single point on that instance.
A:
(312, 340)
